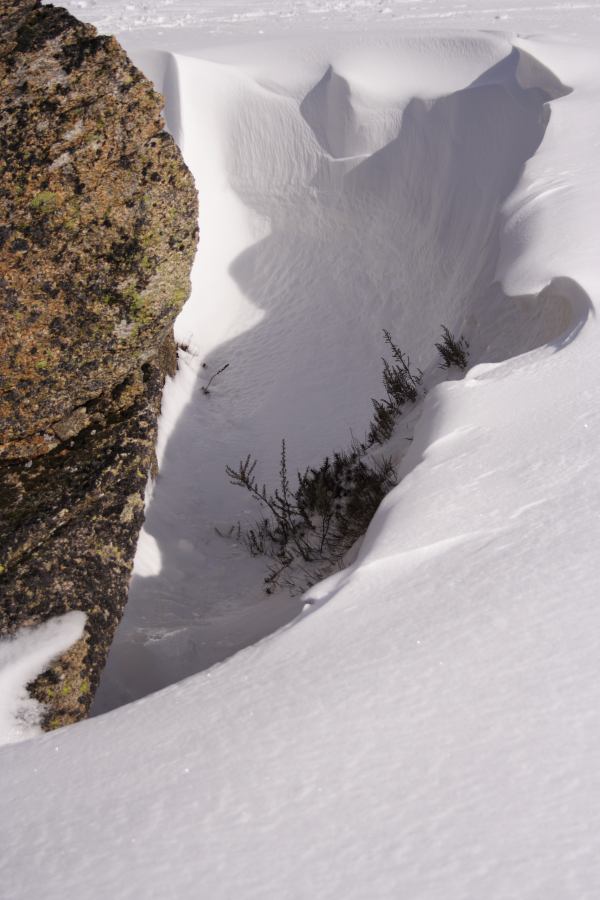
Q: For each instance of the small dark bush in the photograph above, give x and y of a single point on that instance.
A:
(402, 386)
(383, 422)
(307, 530)
(454, 351)
(316, 523)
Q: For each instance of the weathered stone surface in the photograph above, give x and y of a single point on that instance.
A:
(97, 235)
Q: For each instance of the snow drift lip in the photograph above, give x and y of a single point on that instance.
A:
(433, 194)
(520, 71)
(329, 111)
(575, 304)
(531, 73)
(513, 325)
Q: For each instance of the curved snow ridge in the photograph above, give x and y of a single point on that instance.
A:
(373, 566)
(522, 70)
(551, 319)
(532, 73)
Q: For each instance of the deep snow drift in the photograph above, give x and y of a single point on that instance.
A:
(428, 727)
(334, 204)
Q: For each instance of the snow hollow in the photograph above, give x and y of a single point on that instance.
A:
(345, 187)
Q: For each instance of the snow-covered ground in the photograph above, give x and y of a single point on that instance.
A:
(223, 19)
(429, 726)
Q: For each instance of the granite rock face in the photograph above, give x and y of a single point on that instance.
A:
(98, 231)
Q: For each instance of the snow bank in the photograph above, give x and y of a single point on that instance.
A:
(22, 658)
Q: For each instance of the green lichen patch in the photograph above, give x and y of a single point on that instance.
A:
(44, 202)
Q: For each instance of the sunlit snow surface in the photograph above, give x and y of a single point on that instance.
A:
(429, 727)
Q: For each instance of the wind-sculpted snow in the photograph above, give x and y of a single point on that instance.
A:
(330, 210)
(428, 728)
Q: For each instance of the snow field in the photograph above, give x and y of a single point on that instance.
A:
(141, 21)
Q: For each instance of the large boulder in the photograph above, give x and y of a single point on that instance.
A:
(98, 231)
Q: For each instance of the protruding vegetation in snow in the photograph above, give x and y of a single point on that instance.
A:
(454, 351)
(309, 530)
(402, 386)
(206, 387)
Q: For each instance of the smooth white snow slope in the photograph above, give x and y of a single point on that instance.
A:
(429, 728)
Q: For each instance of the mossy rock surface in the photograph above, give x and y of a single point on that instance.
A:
(98, 222)
(98, 231)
